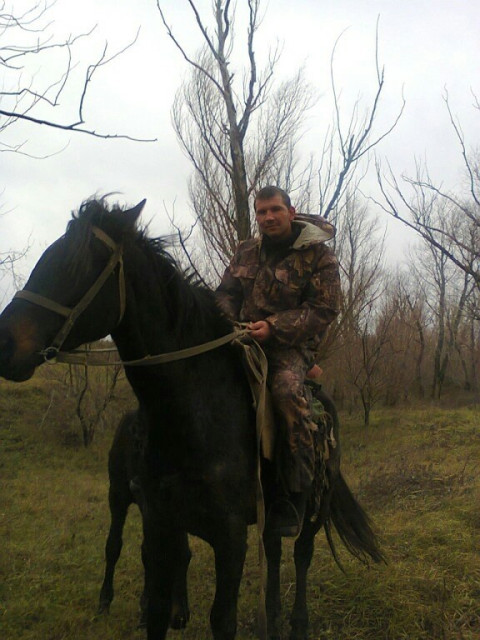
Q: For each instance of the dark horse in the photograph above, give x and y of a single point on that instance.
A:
(124, 466)
(198, 464)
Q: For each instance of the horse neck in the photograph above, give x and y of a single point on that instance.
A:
(164, 391)
(165, 314)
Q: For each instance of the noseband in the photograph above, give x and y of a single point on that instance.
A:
(72, 315)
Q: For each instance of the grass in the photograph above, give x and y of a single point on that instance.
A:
(415, 471)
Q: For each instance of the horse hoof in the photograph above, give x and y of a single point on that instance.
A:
(103, 609)
(299, 636)
(179, 621)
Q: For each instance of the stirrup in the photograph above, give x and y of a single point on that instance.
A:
(284, 519)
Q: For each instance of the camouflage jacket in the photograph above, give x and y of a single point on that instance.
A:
(296, 290)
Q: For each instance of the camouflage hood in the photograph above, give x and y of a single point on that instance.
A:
(314, 229)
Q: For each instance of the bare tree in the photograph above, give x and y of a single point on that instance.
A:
(360, 251)
(467, 342)
(37, 74)
(354, 137)
(236, 128)
(92, 397)
(26, 48)
(8, 269)
(85, 400)
(410, 296)
(358, 340)
(411, 200)
(242, 131)
(372, 346)
(448, 292)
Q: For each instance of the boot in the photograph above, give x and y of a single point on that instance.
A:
(285, 516)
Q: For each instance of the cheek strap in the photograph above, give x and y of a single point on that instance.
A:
(72, 314)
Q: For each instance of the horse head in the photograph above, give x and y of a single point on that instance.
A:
(74, 295)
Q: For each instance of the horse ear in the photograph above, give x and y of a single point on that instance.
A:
(131, 215)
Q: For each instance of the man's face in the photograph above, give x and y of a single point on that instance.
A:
(274, 218)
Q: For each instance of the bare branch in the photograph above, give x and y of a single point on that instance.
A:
(427, 231)
(27, 97)
(187, 58)
(459, 133)
(355, 142)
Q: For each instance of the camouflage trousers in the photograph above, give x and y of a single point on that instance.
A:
(295, 446)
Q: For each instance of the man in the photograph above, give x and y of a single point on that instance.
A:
(285, 285)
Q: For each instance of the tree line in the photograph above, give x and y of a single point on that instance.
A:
(405, 333)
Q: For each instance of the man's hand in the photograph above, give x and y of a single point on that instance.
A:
(314, 372)
(260, 331)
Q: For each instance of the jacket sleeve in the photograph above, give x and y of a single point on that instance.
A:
(229, 294)
(319, 306)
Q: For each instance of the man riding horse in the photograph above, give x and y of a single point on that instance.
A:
(285, 284)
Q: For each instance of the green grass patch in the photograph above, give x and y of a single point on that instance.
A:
(416, 472)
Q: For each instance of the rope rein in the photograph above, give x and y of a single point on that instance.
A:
(87, 357)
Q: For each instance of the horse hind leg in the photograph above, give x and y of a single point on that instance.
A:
(119, 503)
(229, 543)
(120, 497)
(303, 556)
(273, 552)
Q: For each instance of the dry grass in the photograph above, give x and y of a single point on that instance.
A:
(415, 471)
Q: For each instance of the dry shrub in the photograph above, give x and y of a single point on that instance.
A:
(84, 401)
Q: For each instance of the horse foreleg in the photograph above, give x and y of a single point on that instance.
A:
(180, 613)
(273, 552)
(230, 546)
(303, 556)
(119, 503)
(143, 597)
(159, 557)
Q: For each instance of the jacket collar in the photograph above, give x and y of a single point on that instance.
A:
(312, 234)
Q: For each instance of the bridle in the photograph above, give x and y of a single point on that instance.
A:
(72, 314)
(53, 353)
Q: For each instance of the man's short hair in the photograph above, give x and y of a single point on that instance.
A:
(271, 192)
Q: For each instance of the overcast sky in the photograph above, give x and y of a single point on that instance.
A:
(425, 46)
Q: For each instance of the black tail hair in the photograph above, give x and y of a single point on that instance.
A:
(352, 525)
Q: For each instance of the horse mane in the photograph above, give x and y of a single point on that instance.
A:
(191, 305)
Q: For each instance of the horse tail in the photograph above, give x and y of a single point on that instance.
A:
(351, 523)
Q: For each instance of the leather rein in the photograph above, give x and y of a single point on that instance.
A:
(53, 353)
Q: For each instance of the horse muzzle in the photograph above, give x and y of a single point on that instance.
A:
(19, 350)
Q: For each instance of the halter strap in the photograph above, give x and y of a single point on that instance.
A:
(41, 301)
(72, 314)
